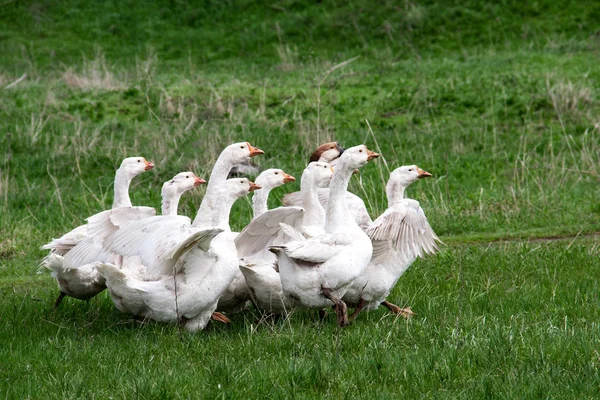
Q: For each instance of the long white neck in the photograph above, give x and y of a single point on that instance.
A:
(211, 201)
(314, 214)
(122, 182)
(170, 202)
(218, 217)
(395, 192)
(259, 200)
(338, 216)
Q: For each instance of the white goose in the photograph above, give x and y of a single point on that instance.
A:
(400, 235)
(79, 278)
(204, 265)
(261, 275)
(84, 281)
(317, 272)
(129, 169)
(330, 153)
(236, 296)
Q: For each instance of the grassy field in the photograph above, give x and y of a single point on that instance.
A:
(499, 100)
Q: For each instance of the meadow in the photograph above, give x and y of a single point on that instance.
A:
(498, 100)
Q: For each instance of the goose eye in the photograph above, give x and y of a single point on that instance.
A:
(324, 166)
(410, 170)
(241, 147)
(360, 151)
(187, 176)
(276, 173)
(139, 160)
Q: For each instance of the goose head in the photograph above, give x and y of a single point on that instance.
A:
(272, 178)
(240, 152)
(327, 152)
(133, 166)
(408, 174)
(321, 172)
(182, 182)
(356, 157)
(240, 187)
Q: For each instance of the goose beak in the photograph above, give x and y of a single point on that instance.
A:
(253, 187)
(372, 155)
(340, 149)
(149, 165)
(288, 178)
(198, 181)
(254, 151)
(355, 172)
(423, 174)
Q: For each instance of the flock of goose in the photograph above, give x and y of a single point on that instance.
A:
(320, 249)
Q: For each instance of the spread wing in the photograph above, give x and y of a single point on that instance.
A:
(151, 239)
(265, 230)
(194, 256)
(403, 228)
(108, 222)
(67, 241)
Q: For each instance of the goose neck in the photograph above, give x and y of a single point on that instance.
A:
(122, 182)
(337, 208)
(395, 192)
(170, 202)
(314, 214)
(260, 201)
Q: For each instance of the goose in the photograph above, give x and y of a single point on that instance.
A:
(129, 169)
(152, 238)
(80, 278)
(316, 272)
(204, 264)
(330, 153)
(260, 274)
(235, 298)
(400, 235)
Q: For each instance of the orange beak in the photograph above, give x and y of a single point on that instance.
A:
(423, 174)
(288, 178)
(254, 151)
(355, 172)
(198, 181)
(149, 165)
(253, 187)
(372, 155)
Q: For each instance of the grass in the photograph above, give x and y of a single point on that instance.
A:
(499, 100)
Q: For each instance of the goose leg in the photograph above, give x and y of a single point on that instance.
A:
(405, 312)
(60, 298)
(358, 309)
(340, 307)
(217, 316)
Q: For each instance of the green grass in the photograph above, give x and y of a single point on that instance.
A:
(499, 100)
